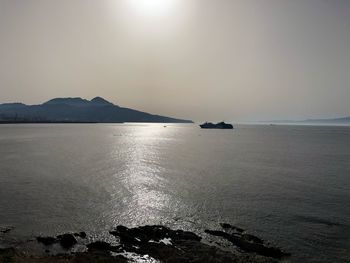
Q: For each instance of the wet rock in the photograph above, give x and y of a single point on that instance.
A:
(81, 235)
(102, 246)
(67, 240)
(47, 241)
(5, 229)
(146, 233)
(250, 243)
(185, 235)
(158, 242)
(231, 227)
(126, 235)
(251, 238)
(14, 256)
(184, 246)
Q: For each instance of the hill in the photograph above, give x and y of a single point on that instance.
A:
(97, 110)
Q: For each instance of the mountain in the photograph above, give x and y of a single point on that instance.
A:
(96, 110)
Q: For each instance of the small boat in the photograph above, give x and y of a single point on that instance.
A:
(220, 125)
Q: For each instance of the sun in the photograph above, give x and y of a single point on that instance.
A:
(152, 7)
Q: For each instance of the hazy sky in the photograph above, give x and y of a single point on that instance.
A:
(198, 59)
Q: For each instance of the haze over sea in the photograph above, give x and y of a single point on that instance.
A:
(289, 185)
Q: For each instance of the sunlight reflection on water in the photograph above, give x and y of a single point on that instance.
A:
(141, 175)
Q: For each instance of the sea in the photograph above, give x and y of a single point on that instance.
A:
(289, 185)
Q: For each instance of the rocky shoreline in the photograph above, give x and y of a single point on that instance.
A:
(152, 244)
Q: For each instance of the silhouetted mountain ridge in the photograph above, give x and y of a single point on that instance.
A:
(78, 110)
(100, 101)
(67, 101)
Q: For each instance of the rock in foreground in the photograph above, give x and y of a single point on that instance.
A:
(168, 245)
(156, 243)
(247, 242)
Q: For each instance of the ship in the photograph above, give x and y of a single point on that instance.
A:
(220, 125)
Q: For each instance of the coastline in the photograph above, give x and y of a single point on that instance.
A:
(149, 244)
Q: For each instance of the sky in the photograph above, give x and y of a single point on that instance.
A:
(234, 60)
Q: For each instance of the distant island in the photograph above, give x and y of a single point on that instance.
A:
(77, 110)
(345, 120)
(333, 121)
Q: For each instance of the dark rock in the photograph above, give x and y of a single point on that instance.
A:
(249, 243)
(67, 240)
(5, 230)
(14, 256)
(47, 241)
(252, 238)
(102, 246)
(80, 234)
(185, 235)
(228, 226)
(218, 233)
(126, 235)
(186, 246)
(7, 255)
(155, 233)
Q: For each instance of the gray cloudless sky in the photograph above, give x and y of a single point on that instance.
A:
(233, 60)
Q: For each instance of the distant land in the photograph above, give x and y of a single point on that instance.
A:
(77, 110)
(344, 120)
(336, 120)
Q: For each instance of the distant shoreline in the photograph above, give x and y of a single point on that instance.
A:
(301, 124)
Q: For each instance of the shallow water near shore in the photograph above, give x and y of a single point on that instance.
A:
(289, 185)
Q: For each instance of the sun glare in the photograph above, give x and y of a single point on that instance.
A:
(152, 7)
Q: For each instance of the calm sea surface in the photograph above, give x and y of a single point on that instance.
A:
(287, 184)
